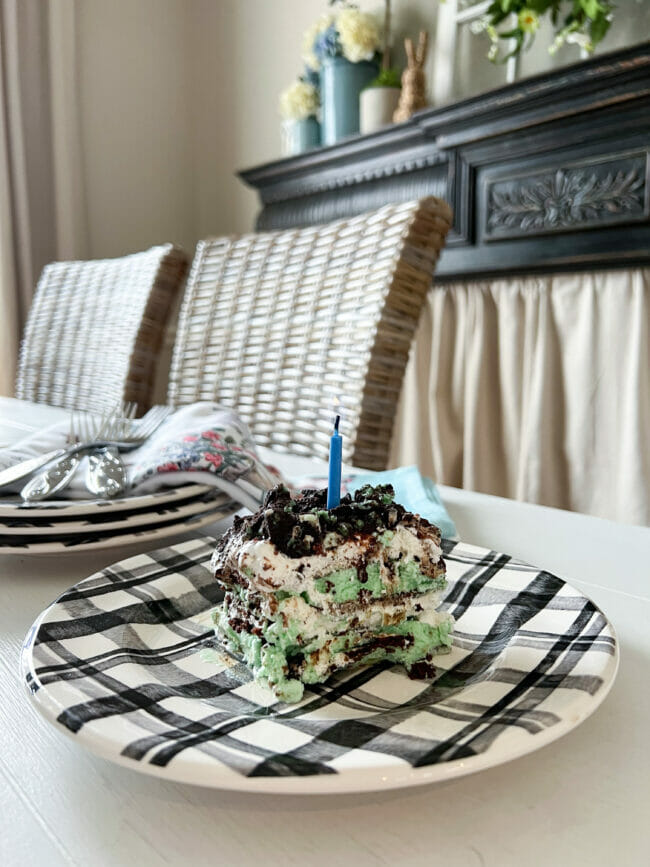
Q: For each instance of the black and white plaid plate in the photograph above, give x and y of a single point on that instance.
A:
(127, 663)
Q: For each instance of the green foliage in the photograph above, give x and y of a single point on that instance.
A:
(581, 22)
(387, 78)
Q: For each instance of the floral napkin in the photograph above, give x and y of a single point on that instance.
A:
(207, 444)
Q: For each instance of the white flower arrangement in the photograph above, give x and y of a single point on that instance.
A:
(310, 38)
(348, 33)
(359, 35)
(299, 101)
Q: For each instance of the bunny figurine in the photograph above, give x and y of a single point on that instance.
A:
(413, 96)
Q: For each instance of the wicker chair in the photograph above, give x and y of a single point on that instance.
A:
(285, 326)
(95, 328)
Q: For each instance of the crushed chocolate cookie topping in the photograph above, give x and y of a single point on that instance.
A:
(304, 525)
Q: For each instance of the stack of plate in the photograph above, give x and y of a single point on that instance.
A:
(55, 526)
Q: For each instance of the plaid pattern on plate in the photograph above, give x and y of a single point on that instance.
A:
(127, 661)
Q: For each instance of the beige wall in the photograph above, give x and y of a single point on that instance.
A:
(134, 88)
(243, 53)
(175, 95)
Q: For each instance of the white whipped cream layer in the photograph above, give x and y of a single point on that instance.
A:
(268, 569)
(318, 623)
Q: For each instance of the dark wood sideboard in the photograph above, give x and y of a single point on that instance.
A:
(548, 174)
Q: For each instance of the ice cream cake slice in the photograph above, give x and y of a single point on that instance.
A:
(310, 591)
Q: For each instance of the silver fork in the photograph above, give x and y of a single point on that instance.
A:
(61, 467)
(106, 473)
(54, 478)
(83, 428)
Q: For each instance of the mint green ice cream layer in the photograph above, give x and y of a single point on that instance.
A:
(269, 663)
(286, 644)
(346, 585)
(269, 657)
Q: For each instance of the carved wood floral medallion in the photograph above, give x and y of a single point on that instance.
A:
(568, 198)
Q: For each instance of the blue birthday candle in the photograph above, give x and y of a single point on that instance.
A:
(334, 482)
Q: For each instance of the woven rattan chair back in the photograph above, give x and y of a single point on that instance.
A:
(95, 328)
(286, 326)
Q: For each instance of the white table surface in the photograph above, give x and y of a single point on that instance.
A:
(583, 800)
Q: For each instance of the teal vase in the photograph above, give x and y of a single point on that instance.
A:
(299, 136)
(341, 85)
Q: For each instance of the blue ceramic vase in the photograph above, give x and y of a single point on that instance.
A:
(299, 136)
(341, 85)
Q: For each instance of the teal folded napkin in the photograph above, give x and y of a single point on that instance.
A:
(414, 491)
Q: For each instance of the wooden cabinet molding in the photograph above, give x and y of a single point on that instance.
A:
(547, 174)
